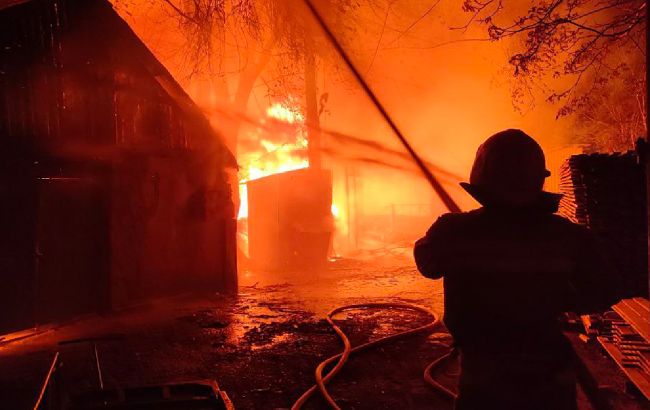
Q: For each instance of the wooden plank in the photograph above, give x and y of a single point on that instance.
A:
(638, 377)
(632, 313)
(643, 304)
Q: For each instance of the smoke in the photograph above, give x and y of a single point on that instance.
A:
(447, 89)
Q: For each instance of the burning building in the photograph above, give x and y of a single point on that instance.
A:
(286, 216)
(114, 186)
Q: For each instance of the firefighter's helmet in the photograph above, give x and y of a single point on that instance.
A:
(509, 169)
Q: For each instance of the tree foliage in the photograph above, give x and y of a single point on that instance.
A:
(588, 56)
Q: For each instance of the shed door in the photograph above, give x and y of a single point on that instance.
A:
(71, 249)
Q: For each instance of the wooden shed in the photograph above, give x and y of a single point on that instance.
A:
(113, 185)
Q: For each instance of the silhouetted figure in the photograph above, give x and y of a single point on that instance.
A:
(511, 268)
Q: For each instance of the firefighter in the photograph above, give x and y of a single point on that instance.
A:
(511, 269)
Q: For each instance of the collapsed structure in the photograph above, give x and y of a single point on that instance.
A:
(114, 187)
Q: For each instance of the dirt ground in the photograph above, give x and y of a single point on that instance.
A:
(261, 346)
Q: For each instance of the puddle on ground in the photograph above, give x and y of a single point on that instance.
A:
(276, 340)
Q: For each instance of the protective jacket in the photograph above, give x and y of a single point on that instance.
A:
(509, 272)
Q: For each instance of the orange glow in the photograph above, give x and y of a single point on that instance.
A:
(278, 159)
(445, 111)
(283, 113)
(335, 211)
(273, 157)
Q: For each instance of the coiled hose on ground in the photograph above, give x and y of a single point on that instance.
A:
(322, 380)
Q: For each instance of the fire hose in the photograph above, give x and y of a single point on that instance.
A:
(348, 350)
(341, 358)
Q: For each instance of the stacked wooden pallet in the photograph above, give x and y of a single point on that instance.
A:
(626, 337)
(606, 192)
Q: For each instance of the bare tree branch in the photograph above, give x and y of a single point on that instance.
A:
(580, 41)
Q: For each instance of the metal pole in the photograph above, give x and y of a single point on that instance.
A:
(46, 383)
(647, 163)
(435, 184)
(99, 369)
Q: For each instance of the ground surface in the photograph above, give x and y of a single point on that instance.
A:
(261, 346)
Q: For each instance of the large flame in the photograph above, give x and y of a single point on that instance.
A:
(274, 157)
(284, 113)
(285, 150)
